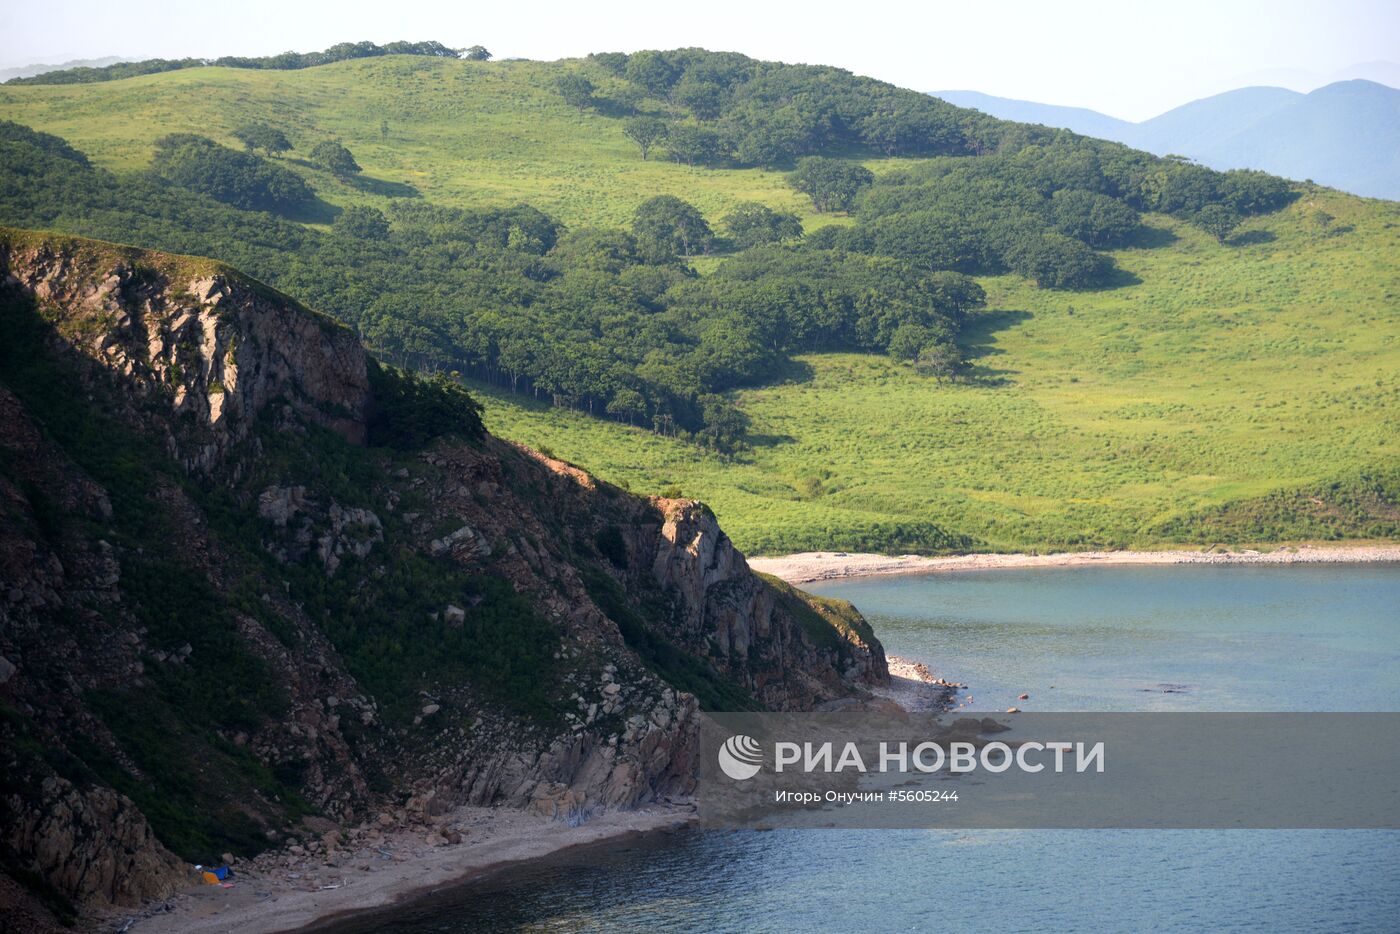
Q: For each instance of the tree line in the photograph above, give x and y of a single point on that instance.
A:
(723, 108)
(286, 61)
(610, 321)
(615, 322)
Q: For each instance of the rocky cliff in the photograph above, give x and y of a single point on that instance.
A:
(251, 581)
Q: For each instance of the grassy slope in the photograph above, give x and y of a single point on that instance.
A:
(460, 133)
(1226, 373)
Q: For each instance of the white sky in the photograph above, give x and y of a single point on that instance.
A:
(1126, 58)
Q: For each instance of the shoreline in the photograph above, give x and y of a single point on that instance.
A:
(807, 567)
(914, 687)
(279, 892)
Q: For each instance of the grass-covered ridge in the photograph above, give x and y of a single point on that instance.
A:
(460, 133)
(1212, 389)
(1221, 398)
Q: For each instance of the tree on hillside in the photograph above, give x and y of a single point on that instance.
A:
(832, 184)
(1098, 220)
(941, 361)
(752, 223)
(1055, 261)
(261, 136)
(238, 178)
(725, 424)
(666, 226)
(362, 223)
(334, 158)
(615, 62)
(652, 72)
(693, 145)
(576, 90)
(706, 99)
(1217, 220)
(644, 131)
(476, 53)
(909, 340)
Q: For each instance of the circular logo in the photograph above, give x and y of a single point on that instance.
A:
(740, 757)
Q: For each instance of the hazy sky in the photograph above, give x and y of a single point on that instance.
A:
(1125, 58)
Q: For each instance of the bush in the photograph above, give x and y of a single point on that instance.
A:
(362, 223)
(753, 224)
(666, 227)
(1055, 261)
(261, 136)
(334, 158)
(1098, 220)
(832, 184)
(237, 178)
(409, 411)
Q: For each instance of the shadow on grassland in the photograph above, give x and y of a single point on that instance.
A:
(314, 211)
(978, 341)
(384, 188)
(1152, 238)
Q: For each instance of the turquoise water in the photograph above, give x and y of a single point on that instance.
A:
(1159, 638)
(1183, 637)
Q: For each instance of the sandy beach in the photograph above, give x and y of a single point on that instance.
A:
(372, 868)
(829, 565)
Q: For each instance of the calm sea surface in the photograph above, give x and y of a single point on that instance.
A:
(1113, 638)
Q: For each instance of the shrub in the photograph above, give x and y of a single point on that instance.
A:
(237, 178)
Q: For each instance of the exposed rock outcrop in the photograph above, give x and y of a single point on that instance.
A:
(95, 846)
(240, 619)
(754, 625)
(209, 343)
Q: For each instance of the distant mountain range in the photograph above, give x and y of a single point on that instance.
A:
(1345, 134)
(29, 71)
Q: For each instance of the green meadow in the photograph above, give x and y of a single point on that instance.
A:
(1127, 417)
(467, 134)
(1245, 392)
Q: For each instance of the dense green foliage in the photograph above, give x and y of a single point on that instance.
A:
(286, 61)
(753, 223)
(1197, 375)
(832, 184)
(749, 112)
(362, 223)
(614, 322)
(1039, 211)
(601, 320)
(237, 178)
(1242, 393)
(667, 227)
(261, 136)
(409, 411)
(334, 158)
(606, 321)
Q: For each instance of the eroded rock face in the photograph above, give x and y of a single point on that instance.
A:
(94, 846)
(748, 621)
(210, 345)
(201, 360)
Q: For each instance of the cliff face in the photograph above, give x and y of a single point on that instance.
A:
(229, 610)
(209, 344)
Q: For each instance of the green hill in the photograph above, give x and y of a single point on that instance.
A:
(1124, 417)
(465, 134)
(1242, 391)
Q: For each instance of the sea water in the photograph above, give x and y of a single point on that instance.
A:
(1181, 638)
